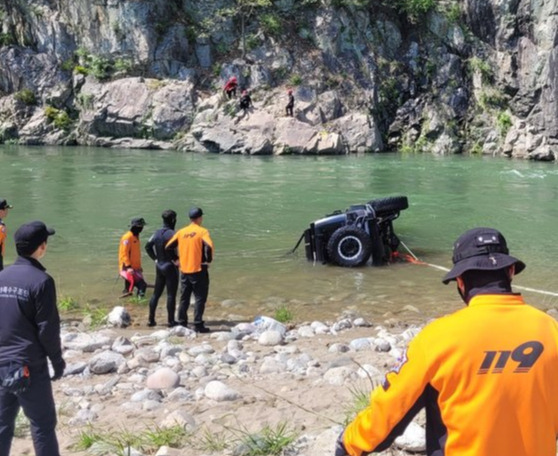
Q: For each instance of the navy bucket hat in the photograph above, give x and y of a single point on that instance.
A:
(481, 249)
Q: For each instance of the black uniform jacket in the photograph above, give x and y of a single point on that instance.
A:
(155, 247)
(29, 320)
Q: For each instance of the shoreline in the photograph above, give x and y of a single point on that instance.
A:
(305, 380)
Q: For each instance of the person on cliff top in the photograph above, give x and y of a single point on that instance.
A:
(245, 102)
(195, 253)
(4, 207)
(129, 259)
(29, 337)
(486, 374)
(166, 272)
(290, 104)
(230, 87)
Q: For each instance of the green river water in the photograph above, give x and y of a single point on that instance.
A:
(257, 207)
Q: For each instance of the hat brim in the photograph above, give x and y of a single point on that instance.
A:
(492, 262)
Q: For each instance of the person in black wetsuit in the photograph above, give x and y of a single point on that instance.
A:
(166, 272)
(245, 101)
(290, 104)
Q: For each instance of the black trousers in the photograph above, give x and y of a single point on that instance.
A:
(289, 110)
(165, 275)
(37, 403)
(197, 283)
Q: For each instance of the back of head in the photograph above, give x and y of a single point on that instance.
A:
(29, 237)
(195, 213)
(169, 217)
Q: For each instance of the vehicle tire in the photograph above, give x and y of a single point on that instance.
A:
(389, 205)
(349, 246)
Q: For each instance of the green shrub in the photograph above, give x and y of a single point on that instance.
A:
(268, 441)
(79, 69)
(476, 64)
(7, 39)
(295, 80)
(504, 122)
(415, 9)
(26, 96)
(68, 65)
(123, 65)
(59, 117)
(271, 24)
(252, 41)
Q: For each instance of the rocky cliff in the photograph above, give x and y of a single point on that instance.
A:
(470, 76)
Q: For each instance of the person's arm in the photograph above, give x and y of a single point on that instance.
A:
(125, 260)
(149, 248)
(171, 246)
(208, 249)
(48, 321)
(392, 406)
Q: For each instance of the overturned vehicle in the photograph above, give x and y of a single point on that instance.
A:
(361, 233)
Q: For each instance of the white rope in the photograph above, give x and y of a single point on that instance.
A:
(442, 268)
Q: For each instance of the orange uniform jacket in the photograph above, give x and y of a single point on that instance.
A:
(488, 377)
(129, 252)
(195, 248)
(3, 235)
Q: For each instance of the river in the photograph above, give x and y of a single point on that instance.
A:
(257, 207)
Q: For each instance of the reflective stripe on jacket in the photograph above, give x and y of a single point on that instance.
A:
(129, 252)
(488, 377)
(194, 247)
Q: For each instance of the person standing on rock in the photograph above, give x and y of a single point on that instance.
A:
(195, 253)
(245, 102)
(230, 87)
(486, 374)
(129, 259)
(29, 335)
(4, 206)
(290, 104)
(166, 272)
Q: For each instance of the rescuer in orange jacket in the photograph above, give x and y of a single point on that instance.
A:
(4, 206)
(195, 252)
(486, 374)
(129, 258)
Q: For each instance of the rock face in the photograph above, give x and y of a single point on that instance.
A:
(458, 77)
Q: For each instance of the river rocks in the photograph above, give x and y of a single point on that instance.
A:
(155, 377)
(413, 439)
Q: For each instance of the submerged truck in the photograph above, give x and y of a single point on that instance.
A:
(361, 233)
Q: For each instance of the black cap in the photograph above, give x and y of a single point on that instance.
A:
(195, 213)
(138, 221)
(30, 236)
(481, 249)
(4, 204)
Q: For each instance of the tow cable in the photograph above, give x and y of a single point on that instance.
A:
(412, 258)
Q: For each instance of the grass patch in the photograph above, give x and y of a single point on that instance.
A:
(214, 442)
(360, 399)
(268, 441)
(96, 316)
(295, 80)
(138, 300)
(58, 117)
(119, 442)
(283, 314)
(504, 122)
(67, 303)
